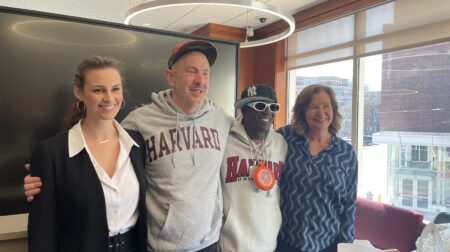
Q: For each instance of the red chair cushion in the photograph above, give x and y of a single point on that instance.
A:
(386, 226)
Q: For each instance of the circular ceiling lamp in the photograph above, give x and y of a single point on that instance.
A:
(247, 4)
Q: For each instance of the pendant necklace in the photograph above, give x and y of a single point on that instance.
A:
(263, 176)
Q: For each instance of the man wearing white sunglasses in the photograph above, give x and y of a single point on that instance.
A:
(251, 168)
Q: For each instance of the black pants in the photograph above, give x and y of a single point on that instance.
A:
(210, 248)
(126, 242)
(284, 247)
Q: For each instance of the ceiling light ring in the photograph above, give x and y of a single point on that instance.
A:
(157, 4)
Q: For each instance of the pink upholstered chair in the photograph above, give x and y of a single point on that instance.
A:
(386, 226)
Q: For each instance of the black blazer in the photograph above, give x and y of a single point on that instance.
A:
(70, 214)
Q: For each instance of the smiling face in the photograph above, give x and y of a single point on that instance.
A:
(319, 113)
(102, 93)
(257, 123)
(189, 79)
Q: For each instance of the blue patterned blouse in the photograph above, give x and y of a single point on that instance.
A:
(318, 193)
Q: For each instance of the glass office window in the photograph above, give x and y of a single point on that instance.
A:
(336, 75)
(400, 108)
(406, 130)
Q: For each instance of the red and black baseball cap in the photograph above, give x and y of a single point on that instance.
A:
(202, 46)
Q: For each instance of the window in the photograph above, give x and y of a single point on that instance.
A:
(415, 194)
(419, 153)
(405, 120)
(407, 192)
(337, 75)
(400, 110)
(402, 157)
(447, 193)
(402, 127)
(422, 194)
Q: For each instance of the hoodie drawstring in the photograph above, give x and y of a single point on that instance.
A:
(177, 132)
(193, 151)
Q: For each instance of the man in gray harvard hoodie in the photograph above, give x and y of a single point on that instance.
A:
(185, 135)
(251, 197)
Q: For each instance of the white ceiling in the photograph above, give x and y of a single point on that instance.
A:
(180, 19)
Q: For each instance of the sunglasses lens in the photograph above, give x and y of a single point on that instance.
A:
(260, 106)
(274, 107)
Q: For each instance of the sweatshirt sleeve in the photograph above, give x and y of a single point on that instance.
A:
(43, 218)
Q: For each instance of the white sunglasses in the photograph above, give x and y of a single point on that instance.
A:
(261, 106)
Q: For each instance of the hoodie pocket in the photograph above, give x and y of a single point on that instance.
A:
(192, 222)
(260, 219)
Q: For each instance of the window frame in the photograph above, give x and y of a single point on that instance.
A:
(357, 129)
(419, 149)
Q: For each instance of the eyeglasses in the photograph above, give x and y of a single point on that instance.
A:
(261, 106)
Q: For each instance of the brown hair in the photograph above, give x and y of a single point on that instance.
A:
(302, 102)
(91, 63)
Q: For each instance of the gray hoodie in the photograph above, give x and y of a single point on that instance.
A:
(183, 202)
(252, 217)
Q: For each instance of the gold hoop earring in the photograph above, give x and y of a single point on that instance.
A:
(123, 104)
(78, 106)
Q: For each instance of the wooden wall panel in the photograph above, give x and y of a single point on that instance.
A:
(246, 69)
(281, 82)
(203, 31)
(264, 64)
(269, 67)
(221, 32)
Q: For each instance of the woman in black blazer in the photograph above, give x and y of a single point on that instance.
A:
(93, 192)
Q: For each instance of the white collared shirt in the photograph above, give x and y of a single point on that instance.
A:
(122, 190)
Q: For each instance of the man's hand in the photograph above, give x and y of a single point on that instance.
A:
(31, 185)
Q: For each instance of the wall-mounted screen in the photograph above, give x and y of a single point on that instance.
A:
(38, 56)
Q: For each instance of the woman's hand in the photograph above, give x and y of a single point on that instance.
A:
(31, 185)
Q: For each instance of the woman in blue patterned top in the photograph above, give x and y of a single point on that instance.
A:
(318, 184)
